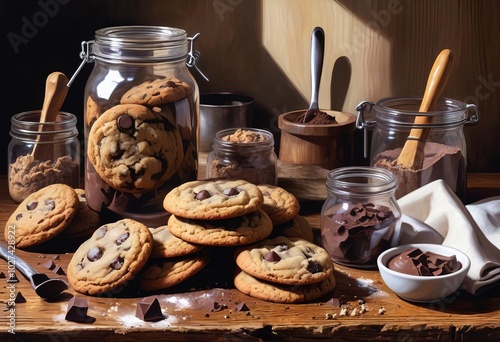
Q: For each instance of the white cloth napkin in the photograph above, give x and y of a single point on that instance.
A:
(434, 214)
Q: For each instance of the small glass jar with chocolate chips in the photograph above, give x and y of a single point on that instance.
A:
(243, 153)
(360, 217)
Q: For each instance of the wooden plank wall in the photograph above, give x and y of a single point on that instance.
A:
(374, 48)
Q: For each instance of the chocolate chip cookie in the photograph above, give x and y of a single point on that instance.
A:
(157, 91)
(167, 245)
(213, 200)
(241, 230)
(279, 293)
(164, 273)
(42, 215)
(279, 204)
(85, 222)
(111, 257)
(285, 261)
(134, 149)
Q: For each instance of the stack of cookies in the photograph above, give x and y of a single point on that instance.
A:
(284, 270)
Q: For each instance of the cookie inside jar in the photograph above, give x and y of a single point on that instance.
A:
(141, 122)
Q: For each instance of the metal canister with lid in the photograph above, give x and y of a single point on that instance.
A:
(141, 120)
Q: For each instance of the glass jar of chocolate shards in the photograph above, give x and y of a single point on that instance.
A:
(243, 153)
(41, 154)
(360, 217)
(442, 142)
(141, 120)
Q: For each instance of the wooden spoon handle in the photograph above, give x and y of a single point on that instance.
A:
(56, 89)
(437, 80)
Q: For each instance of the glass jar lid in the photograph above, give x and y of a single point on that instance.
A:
(140, 43)
(361, 181)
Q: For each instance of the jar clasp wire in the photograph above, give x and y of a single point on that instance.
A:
(194, 55)
(86, 56)
(361, 123)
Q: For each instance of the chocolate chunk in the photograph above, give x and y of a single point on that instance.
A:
(101, 232)
(49, 265)
(334, 301)
(272, 256)
(95, 253)
(2, 275)
(77, 311)
(218, 307)
(149, 310)
(50, 204)
(313, 266)
(19, 298)
(117, 263)
(32, 205)
(231, 191)
(242, 307)
(125, 123)
(59, 270)
(202, 195)
(122, 238)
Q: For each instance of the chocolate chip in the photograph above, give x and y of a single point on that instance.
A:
(218, 307)
(272, 256)
(202, 195)
(19, 216)
(95, 253)
(125, 123)
(313, 266)
(50, 204)
(171, 84)
(117, 263)
(122, 238)
(231, 191)
(99, 234)
(32, 205)
(19, 298)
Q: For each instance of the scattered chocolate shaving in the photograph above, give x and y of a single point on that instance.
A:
(2, 275)
(50, 265)
(149, 310)
(218, 307)
(242, 307)
(334, 302)
(59, 270)
(19, 298)
(77, 311)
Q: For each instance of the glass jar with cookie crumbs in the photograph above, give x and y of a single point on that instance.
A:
(40, 154)
(141, 120)
(360, 217)
(243, 153)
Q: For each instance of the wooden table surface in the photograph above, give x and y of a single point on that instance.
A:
(460, 317)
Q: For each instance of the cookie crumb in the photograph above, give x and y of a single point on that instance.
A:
(381, 311)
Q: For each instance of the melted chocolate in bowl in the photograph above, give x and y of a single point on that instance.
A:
(416, 262)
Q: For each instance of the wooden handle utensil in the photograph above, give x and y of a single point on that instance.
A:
(412, 154)
(56, 89)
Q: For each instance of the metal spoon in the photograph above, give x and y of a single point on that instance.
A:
(317, 54)
(44, 286)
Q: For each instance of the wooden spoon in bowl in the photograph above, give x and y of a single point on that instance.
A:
(56, 89)
(412, 154)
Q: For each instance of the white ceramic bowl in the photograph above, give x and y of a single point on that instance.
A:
(423, 288)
